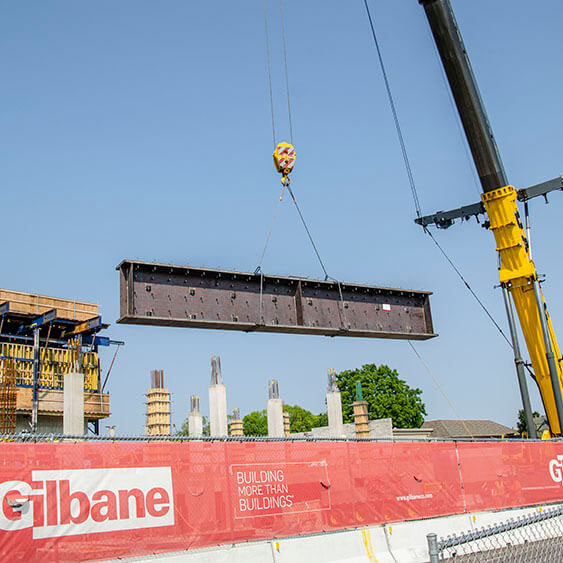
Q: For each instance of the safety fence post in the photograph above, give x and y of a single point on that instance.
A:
(433, 548)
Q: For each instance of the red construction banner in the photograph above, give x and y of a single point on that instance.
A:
(101, 500)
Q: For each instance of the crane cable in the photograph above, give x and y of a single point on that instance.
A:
(285, 179)
(440, 388)
(286, 74)
(269, 71)
(411, 177)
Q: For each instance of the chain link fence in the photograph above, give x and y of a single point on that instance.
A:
(535, 538)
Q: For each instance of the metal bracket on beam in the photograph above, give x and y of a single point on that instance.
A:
(541, 189)
(91, 325)
(445, 219)
(38, 322)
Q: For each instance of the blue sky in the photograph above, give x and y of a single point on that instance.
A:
(141, 130)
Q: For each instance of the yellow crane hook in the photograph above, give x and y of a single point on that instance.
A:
(284, 160)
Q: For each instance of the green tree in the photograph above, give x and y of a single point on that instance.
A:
(302, 420)
(322, 420)
(255, 423)
(387, 395)
(185, 430)
(521, 424)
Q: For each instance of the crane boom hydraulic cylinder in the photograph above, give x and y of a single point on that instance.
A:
(517, 271)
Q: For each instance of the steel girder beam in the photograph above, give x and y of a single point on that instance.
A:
(182, 296)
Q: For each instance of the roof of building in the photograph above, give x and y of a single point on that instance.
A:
(468, 429)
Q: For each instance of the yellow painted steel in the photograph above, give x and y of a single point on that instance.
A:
(54, 363)
(517, 272)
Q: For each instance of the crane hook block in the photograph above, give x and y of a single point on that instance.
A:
(284, 160)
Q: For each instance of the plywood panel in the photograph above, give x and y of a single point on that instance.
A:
(96, 405)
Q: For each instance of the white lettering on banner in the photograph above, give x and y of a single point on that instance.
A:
(556, 469)
(271, 492)
(414, 497)
(266, 492)
(85, 501)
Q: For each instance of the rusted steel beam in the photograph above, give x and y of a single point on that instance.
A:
(168, 295)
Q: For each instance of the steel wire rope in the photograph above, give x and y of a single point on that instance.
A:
(343, 319)
(258, 270)
(286, 73)
(439, 387)
(276, 212)
(395, 115)
(458, 272)
(410, 174)
(268, 57)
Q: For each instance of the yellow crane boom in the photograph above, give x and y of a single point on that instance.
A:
(517, 272)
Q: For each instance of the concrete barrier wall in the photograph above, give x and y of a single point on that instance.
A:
(401, 542)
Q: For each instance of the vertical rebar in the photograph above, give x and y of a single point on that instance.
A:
(216, 376)
(332, 383)
(273, 389)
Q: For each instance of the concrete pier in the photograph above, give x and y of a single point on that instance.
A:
(217, 401)
(274, 411)
(334, 407)
(195, 418)
(73, 403)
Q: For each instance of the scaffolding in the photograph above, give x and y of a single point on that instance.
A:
(8, 397)
(42, 339)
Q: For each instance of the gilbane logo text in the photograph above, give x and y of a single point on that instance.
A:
(86, 501)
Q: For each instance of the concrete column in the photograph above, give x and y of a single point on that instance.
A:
(218, 410)
(274, 411)
(195, 424)
(217, 400)
(286, 424)
(334, 407)
(73, 403)
(195, 418)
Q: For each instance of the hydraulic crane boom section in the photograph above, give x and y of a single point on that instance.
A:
(518, 274)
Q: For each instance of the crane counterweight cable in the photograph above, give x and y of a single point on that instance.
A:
(440, 388)
(411, 176)
(395, 115)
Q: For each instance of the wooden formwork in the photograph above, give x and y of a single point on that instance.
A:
(35, 304)
(53, 364)
(51, 401)
(158, 412)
